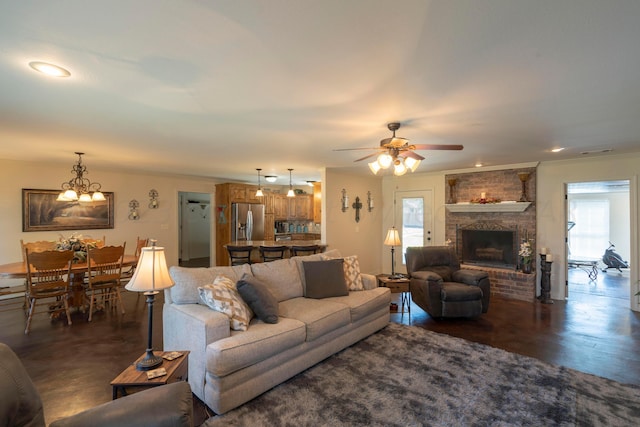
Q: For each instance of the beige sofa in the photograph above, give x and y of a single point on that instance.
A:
(227, 367)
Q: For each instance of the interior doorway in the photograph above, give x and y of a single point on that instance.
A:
(194, 229)
(414, 220)
(598, 218)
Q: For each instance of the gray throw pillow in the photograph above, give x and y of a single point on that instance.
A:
(324, 279)
(258, 298)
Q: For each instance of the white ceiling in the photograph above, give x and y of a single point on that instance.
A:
(219, 88)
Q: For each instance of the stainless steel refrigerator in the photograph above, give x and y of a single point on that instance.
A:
(247, 221)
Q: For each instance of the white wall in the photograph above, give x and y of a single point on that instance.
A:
(160, 224)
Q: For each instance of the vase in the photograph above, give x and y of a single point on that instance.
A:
(526, 267)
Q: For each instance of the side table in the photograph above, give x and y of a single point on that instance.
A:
(401, 285)
(177, 370)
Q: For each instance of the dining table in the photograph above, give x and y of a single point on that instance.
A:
(18, 270)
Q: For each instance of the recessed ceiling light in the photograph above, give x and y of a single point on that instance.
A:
(557, 150)
(49, 69)
(478, 165)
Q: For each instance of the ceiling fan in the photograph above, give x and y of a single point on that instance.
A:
(397, 151)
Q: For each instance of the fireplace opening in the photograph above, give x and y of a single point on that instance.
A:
(490, 248)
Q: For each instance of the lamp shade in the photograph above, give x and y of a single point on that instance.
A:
(151, 273)
(393, 238)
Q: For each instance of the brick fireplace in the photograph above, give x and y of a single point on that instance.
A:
(517, 218)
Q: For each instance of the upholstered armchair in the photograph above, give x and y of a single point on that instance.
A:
(441, 288)
(169, 405)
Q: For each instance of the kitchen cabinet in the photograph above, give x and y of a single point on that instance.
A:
(269, 226)
(281, 206)
(243, 193)
(301, 207)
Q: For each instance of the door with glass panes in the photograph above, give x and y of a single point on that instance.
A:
(414, 221)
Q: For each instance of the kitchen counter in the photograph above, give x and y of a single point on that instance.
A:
(287, 243)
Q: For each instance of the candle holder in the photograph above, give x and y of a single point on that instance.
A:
(545, 280)
(524, 177)
(452, 198)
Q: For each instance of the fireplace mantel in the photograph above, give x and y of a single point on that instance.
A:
(488, 207)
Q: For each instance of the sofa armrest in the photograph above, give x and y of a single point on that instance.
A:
(369, 281)
(192, 327)
(164, 406)
(469, 277)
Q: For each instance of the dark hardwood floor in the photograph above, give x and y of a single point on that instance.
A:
(73, 365)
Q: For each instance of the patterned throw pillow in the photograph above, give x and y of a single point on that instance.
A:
(222, 296)
(351, 272)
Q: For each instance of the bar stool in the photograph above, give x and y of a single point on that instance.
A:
(272, 253)
(239, 255)
(305, 250)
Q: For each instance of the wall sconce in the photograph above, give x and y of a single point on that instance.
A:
(153, 199)
(344, 201)
(133, 210)
(369, 201)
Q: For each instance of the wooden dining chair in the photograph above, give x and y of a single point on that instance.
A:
(272, 253)
(39, 246)
(305, 250)
(239, 255)
(127, 273)
(104, 272)
(48, 276)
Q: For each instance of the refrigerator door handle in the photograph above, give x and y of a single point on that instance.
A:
(249, 225)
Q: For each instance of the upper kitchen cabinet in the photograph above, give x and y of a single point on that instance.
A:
(243, 193)
(301, 207)
(281, 206)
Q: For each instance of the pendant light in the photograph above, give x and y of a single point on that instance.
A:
(259, 193)
(290, 193)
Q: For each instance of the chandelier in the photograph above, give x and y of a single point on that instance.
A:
(80, 188)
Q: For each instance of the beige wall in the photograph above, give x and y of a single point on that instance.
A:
(340, 230)
(552, 229)
(160, 223)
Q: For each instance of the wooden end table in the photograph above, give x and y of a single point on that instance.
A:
(177, 370)
(401, 285)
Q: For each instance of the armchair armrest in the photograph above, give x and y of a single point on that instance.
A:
(469, 277)
(163, 406)
(427, 276)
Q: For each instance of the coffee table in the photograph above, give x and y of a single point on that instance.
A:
(399, 285)
(131, 378)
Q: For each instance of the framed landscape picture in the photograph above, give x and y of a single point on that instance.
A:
(41, 211)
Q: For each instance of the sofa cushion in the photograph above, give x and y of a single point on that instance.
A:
(281, 277)
(362, 304)
(188, 280)
(223, 297)
(258, 343)
(324, 279)
(352, 274)
(319, 316)
(259, 298)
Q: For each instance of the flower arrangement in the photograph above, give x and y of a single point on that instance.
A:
(525, 252)
(76, 243)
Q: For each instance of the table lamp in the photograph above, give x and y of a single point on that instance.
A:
(151, 275)
(393, 239)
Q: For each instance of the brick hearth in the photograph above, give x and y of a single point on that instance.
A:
(509, 283)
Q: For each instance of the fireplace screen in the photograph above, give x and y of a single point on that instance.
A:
(492, 248)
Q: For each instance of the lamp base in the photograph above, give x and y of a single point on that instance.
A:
(149, 361)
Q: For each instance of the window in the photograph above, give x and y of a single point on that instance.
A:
(590, 235)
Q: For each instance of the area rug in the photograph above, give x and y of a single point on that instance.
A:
(408, 376)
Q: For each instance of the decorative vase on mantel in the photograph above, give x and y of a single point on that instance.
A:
(526, 266)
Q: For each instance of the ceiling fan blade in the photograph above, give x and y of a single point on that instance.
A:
(411, 154)
(366, 157)
(438, 147)
(352, 149)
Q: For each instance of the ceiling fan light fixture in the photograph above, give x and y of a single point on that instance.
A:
(412, 163)
(399, 168)
(385, 160)
(375, 167)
